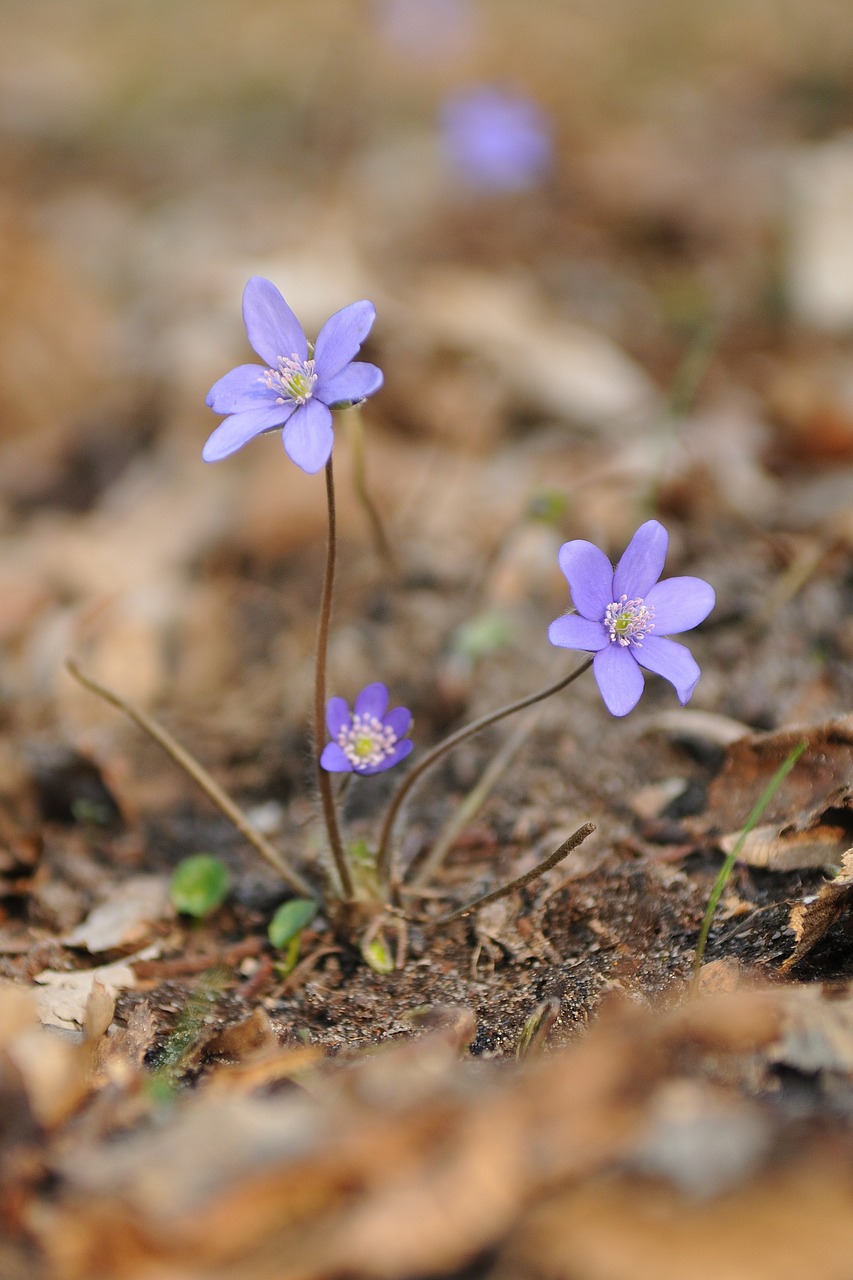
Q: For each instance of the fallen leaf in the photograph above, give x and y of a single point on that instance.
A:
(788, 850)
(63, 996)
(811, 919)
(125, 917)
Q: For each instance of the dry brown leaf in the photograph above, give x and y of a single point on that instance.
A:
(124, 918)
(786, 849)
(812, 919)
(63, 996)
(809, 819)
(791, 1222)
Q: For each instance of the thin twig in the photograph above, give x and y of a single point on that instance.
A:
(567, 847)
(324, 779)
(383, 860)
(199, 775)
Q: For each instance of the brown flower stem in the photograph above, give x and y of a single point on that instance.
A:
(324, 779)
(384, 858)
(199, 775)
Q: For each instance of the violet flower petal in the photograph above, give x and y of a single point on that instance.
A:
(354, 382)
(237, 430)
(271, 326)
(590, 577)
(679, 604)
(372, 700)
(619, 679)
(671, 660)
(334, 760)
(642, 563)
(308, 437)
(574, 632)
(400, 751)
(241, 388)
(337, 715)
(400, 720)
(341, 336)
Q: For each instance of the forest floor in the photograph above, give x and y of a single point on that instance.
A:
(547, 1086)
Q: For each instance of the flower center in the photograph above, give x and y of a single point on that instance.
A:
(292, 381)
(628, 621)
(366, 741)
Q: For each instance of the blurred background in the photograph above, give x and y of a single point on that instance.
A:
(611, 248)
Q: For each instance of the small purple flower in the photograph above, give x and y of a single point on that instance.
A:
(497, 141)
(617, 611)
(371, 739)
(296, 387)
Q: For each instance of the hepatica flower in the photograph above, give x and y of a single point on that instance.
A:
(495, 140)
(624, 616)
(296, 387)
(370, 740)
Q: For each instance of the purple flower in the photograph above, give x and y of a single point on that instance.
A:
(497, 141)
(296, 387)
(617, 611)
(371, 739)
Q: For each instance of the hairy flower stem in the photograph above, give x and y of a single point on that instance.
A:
(324, 779)
(384, 857)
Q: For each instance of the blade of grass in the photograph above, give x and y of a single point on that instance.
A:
(726, 869)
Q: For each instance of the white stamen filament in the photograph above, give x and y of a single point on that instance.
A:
(629, 621)
(366, 741)
(293, 380)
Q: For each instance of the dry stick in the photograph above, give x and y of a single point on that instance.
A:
(552, 860)
(199, 774)
(383, 861)
(474, 801)
(324, 779)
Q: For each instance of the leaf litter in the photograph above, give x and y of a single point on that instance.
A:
(532, 1093)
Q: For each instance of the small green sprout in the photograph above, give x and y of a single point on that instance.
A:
(199, 885)
(285, 929)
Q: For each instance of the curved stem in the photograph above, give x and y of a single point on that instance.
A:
(383, 862)
(324, 779)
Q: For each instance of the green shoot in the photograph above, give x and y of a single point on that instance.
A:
(726, 869)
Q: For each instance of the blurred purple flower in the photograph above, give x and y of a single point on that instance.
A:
(426, 29)
(497, 141)
(296, 387)
(617, 611)
(371, 739)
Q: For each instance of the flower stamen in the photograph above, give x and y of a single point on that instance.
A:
(628, 621)
(293, 380)
(366, 741)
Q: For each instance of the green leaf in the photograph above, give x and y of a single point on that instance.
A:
(198, 885)
(290, 919)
